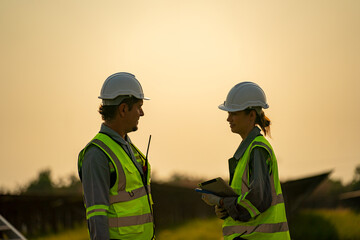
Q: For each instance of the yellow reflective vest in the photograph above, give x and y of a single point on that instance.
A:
(130, 213)
(270, 224)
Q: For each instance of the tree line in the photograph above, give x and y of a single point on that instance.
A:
(45, 184)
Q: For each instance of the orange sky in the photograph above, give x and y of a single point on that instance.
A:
(55, 56)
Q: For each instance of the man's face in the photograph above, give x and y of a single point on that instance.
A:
(134, 115)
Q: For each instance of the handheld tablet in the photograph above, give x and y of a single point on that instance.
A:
(218, 187)
(203, 191)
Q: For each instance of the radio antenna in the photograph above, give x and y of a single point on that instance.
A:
(147, 151)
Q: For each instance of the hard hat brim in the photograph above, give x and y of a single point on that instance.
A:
(228, 109)
(224, 108)
(118, 100)
(143, 98)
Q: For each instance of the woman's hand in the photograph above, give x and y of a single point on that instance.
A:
(221, 212)
(211, 199)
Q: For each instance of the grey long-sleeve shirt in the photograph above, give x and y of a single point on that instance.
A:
(259, 189)
(96, 181)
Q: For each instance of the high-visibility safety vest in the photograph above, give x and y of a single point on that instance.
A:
(130, 213)
(270, 224)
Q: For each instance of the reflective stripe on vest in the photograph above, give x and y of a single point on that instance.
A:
(244, 184)
(263, 228)
(260, 223)
(245, 189)
(96, 210)
(130, 221)
(250, 207)
(276, 198)
(253, 144)
(124, 196)
(121, 174)
(130, 210)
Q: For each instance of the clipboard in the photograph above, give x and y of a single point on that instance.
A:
(217, 186)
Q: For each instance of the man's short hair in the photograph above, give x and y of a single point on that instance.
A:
(108, 112)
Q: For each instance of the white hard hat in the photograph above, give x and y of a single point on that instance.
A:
(120, 84)
(244, 95)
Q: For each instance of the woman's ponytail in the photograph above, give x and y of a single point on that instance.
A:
(264, 122)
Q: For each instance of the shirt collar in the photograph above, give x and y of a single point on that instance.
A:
(245, 143)
(113, 134)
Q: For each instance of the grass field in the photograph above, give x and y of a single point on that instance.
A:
(209, 229)
(206, 229)
(347, 223)
(339, 224)
(79, 233)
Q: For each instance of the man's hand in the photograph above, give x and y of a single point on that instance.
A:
(211, 199)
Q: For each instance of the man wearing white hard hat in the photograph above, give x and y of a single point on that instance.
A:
(258, 212)
(115, 175)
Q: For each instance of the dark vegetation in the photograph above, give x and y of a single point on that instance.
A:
(43, 205)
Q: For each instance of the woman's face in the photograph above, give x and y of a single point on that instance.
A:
(241, 123)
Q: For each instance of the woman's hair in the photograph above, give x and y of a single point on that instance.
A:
(261, 120)
(108, 112)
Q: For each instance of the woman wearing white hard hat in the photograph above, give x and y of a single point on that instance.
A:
(259, 211)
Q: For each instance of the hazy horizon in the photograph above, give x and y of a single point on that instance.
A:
(187, 56)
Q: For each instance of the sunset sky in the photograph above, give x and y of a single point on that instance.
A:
(55, 56)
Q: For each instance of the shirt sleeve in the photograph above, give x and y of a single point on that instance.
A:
(258, 198)
(96, 185)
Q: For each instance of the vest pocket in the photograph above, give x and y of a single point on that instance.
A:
(129, 218)
(131, 229)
